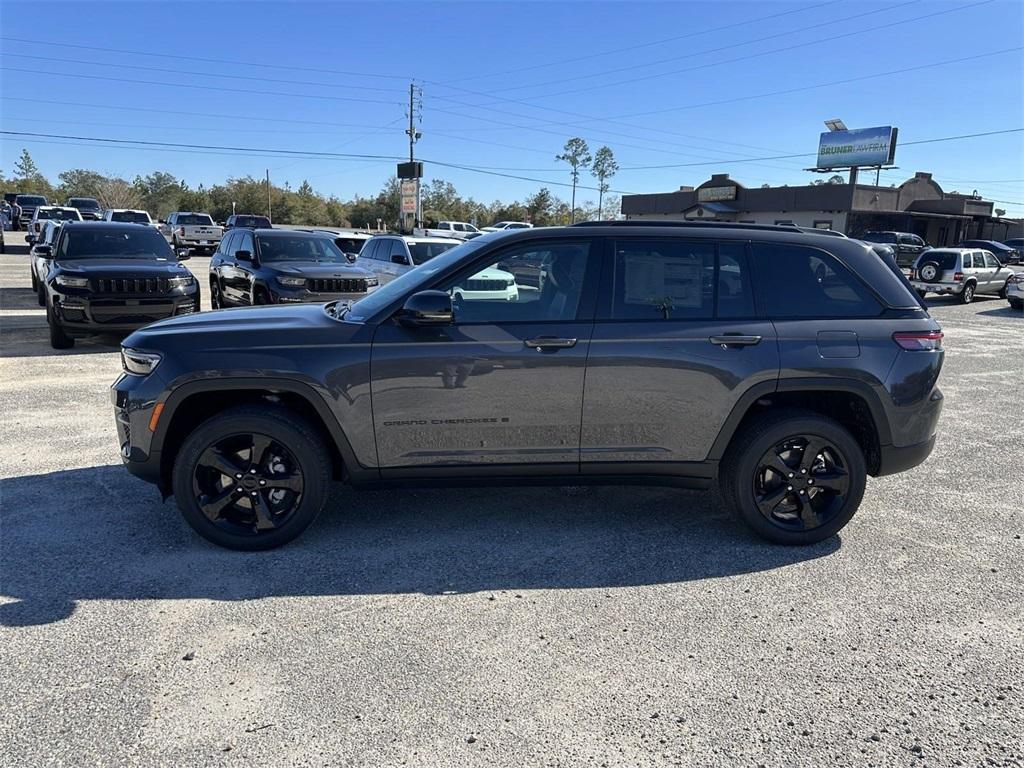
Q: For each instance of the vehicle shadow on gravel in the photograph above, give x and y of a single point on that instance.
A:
(1004, 311)
(35, 342)
(99, 534)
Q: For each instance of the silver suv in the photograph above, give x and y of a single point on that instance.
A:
(961, 272)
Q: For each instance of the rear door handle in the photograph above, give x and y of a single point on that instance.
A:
(549, 342)
(735, 340)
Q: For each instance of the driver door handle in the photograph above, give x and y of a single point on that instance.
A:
(735, 340)
(549, 342)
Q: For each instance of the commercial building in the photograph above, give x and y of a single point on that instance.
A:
(918, 205)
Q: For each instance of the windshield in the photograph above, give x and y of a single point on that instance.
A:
(424, 252)
(30, 200)
(83, 202)
(193, 219)
(295, 248)
(63, 214)
(96, 242)
(256, 222)
(389, 292)
(880, 237)
(349, 244)
(137, 217)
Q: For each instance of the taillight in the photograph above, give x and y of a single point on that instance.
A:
(958, 277)
(918, 341)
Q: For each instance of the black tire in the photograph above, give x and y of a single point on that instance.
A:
(1004, 289)
(40, 294)
(1016, 304)
(291, 445)
(58, 339)
(967, 294)
(215, 301)
(932, 269)
(820, 512)
(260, 297)
(35, 282)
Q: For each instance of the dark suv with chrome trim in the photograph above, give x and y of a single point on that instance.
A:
(100, 277)
(283, 266)
(782, 366)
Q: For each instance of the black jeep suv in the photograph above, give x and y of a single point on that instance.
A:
(785, 366)
(106, 278)
(283, 266)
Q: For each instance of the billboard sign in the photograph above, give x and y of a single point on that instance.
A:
(857, 148)
(714, 194)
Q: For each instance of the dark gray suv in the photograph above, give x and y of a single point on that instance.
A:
(782, 366)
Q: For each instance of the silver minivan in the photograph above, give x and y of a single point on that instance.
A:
(961, 272)
(389, 256)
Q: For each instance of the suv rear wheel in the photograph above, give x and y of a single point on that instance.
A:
(251, 478)
(794, 477)
(967, 294)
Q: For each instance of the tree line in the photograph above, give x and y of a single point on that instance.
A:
(161, 192)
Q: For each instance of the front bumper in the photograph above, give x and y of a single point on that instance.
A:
(87, 315)
(134, 399)
(953, 289)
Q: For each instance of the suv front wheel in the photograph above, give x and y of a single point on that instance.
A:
(252, 477)
(794, 477)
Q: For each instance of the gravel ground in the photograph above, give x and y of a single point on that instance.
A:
(508, 627)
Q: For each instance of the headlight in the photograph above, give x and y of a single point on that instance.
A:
(371, 282)
(181, 282)
(72, 282)
(138, 363)
(292, 282)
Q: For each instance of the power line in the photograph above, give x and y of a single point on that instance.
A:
(612, 51)
(232, 129)
(812, 154)
(306, 154)
(206, 60)
(821, 85)
(742, 44)
(260, 79)
(36, 73)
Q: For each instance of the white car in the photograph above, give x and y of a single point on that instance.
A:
(129, 215)
(492, 284)
(46, 213)
(500, 226)
(459, 229)
(350, 241)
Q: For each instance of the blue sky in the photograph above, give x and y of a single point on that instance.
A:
(505, 84)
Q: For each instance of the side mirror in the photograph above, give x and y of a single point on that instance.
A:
(352, 257)
(46, 251)
(183, 254)
(427, 308)
(397, 258)
(30, 239)
(243, 255)
(160, 221)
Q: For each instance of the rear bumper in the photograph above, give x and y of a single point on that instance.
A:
(901, 458)
(940, 288)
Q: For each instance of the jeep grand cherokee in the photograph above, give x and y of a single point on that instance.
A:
(784, 366)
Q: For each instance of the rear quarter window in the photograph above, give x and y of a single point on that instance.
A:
(799, 282)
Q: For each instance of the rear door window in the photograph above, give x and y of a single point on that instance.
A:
(798, 282)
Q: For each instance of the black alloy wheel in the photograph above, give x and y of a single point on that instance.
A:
(252, 477)
(793, 476)
(801, 483)
(247, 484)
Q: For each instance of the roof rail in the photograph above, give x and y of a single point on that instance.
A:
(690, 224)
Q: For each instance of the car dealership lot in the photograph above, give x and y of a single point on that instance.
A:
(507, 626)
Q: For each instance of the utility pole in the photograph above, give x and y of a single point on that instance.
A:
(269, 214)
(414, 136)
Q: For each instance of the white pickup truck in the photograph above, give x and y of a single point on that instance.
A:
(458, 229)
(187, 230)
